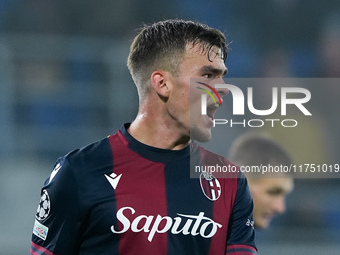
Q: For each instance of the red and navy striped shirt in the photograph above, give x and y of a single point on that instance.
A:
(119, 196)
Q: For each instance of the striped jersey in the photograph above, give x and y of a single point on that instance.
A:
(120, 196)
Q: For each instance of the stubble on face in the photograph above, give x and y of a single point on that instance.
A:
(204, 61)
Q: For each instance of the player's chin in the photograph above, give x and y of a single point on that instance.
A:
(200, 134)
(263, 224)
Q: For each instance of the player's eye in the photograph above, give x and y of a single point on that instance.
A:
(275, 192)
(207, 75)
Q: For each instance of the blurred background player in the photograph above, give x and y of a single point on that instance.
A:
(269, 190)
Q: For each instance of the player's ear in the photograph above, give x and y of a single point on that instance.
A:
(160, 83)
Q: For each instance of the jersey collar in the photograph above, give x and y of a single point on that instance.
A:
(152, 153)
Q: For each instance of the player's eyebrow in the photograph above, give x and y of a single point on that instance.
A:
(214, 70)
(277, 191)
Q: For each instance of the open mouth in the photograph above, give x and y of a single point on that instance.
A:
(211, 109)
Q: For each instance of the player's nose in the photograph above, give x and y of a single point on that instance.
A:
(222, 89)
(280, 205)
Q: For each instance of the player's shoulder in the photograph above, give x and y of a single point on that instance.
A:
(214, 156)
(90, 155)
(82, 160)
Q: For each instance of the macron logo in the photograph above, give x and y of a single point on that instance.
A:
(113, 179)
(55, 171)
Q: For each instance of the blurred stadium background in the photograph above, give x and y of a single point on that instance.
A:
(64, 83)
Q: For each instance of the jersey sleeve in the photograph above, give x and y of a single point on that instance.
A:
(56, 227)
(241, 233)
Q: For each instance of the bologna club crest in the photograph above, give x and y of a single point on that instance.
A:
(210, 186)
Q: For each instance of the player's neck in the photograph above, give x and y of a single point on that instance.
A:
(156, 131)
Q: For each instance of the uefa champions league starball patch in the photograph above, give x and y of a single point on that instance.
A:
(44, 207)
(211, 187)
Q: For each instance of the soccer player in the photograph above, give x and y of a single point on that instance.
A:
(131, 193)
(268, 189)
